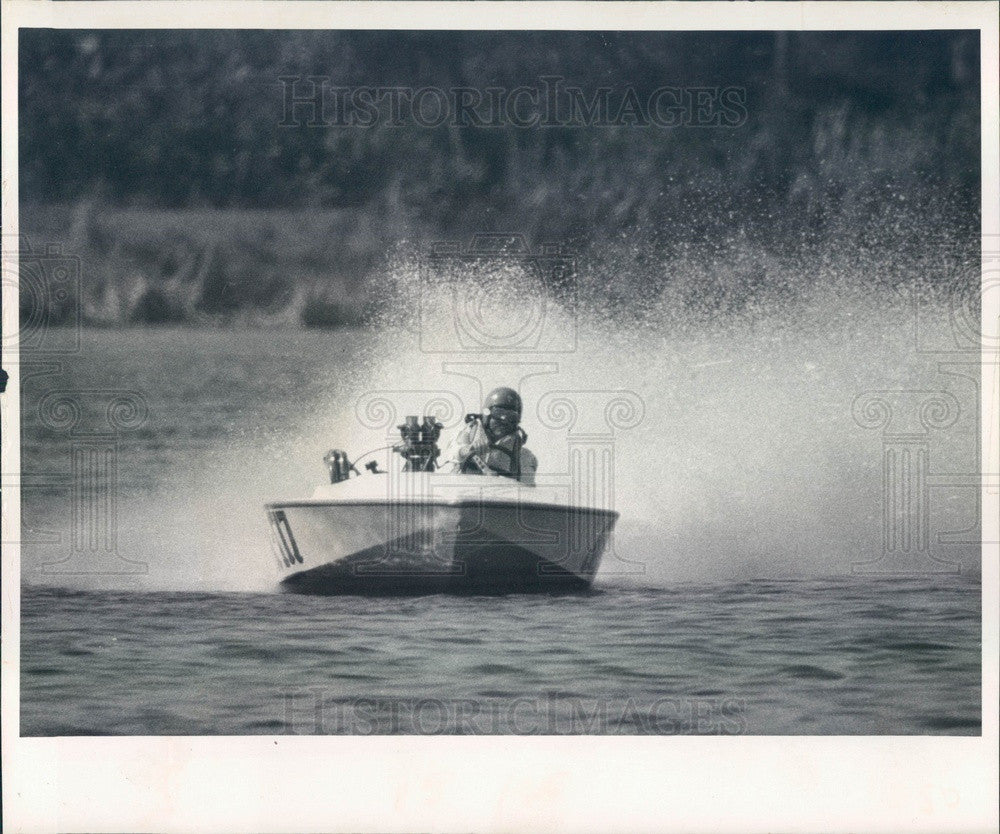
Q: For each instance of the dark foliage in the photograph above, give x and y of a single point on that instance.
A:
(870, 136)
(176, 118)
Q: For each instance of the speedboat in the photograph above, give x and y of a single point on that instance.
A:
(413, 529)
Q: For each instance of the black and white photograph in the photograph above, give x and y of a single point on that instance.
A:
(500, 377)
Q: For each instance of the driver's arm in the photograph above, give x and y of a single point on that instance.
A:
(529, 466)
(469, 440)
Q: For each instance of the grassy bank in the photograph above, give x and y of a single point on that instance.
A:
(208, 266)
(330, 268)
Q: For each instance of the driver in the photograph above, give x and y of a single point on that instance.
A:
(492, 443)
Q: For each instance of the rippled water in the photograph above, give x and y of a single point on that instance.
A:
(838, 656)
(748, 482)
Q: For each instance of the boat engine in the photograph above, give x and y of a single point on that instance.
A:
(419, 447)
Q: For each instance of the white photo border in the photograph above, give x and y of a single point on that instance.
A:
(500, 783)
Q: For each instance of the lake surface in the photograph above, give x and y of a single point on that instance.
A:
(807, 656)
(167, 619)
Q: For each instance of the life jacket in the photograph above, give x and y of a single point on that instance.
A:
(504, 455)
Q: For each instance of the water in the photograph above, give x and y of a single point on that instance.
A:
(800, 656)
(747, 591)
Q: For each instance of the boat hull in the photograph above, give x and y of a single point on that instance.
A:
(462, 545)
